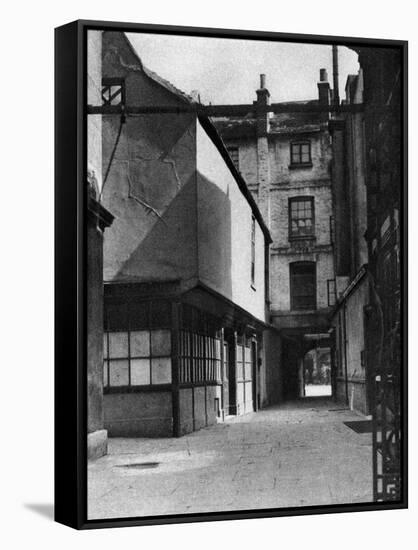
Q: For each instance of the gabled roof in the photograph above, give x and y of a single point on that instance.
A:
(211, 131)
(154, 76)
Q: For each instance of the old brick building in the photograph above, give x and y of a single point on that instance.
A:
(285, 160)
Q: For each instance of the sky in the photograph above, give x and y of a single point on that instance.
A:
(227, 70)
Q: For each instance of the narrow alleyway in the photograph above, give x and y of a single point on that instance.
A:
(297, 454)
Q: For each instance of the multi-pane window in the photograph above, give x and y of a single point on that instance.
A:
(301, 217)
(331, 292)
(244, 370)
(199, 348)
(234, 154)
(199, 358)
(253, 250)
(113, 91)
(302, 285)
(300, 153)
(137, 344)
(137, 358)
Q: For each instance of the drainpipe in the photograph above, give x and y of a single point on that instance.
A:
(345, 352)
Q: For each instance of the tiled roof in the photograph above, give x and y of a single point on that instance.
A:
(280, 123)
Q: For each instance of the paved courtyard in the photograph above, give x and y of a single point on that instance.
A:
(296, 454)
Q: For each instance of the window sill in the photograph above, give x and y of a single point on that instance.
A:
(300, 238)
(300, 166)
(137, 389)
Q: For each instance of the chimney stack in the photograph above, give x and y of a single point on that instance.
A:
(323, 91)
(263, 99)
(336, 95)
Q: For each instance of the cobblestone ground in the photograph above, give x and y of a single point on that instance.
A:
(296, 454)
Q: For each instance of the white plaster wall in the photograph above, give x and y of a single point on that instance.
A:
(232, 276)
(94, 122)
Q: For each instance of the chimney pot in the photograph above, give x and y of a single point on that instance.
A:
(323, 75)
(262, 81)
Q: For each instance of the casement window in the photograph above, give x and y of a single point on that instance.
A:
(302, 285)
(137, 344)
(253, 251)
(301, 217)
(331, 292)
(137, 358)
(234, 154)
(199, 348)
(300, 153)
(113, 91)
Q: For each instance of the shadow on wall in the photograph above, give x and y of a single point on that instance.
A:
(188, 241)
(214, 221)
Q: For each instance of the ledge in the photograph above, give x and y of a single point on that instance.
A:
(303, 166)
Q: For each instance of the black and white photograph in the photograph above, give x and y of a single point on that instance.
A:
(244, 285)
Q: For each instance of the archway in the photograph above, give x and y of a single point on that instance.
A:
(316, 373)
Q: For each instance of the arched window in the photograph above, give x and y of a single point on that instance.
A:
(302, 285)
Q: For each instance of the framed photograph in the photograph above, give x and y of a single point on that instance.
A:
(231, 288)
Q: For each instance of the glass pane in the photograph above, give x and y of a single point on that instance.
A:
(105, 380)
(140, 372)
(248, 370)
(140, 343)
(305, 148)
(118, 344)
(161, 370)
(240, 393)
(104, 346)
(240, 370)
(119, 373)
(161, 342)
(305, 157)
(217, 349)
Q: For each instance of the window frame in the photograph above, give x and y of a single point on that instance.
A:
(108, 82)
(331, 292)
(292, 266)
(300, 162)
(121, 316)
(293, 200)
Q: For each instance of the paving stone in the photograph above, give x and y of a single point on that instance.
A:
(291, 455)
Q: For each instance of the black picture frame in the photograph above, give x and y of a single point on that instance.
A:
(70, 274)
